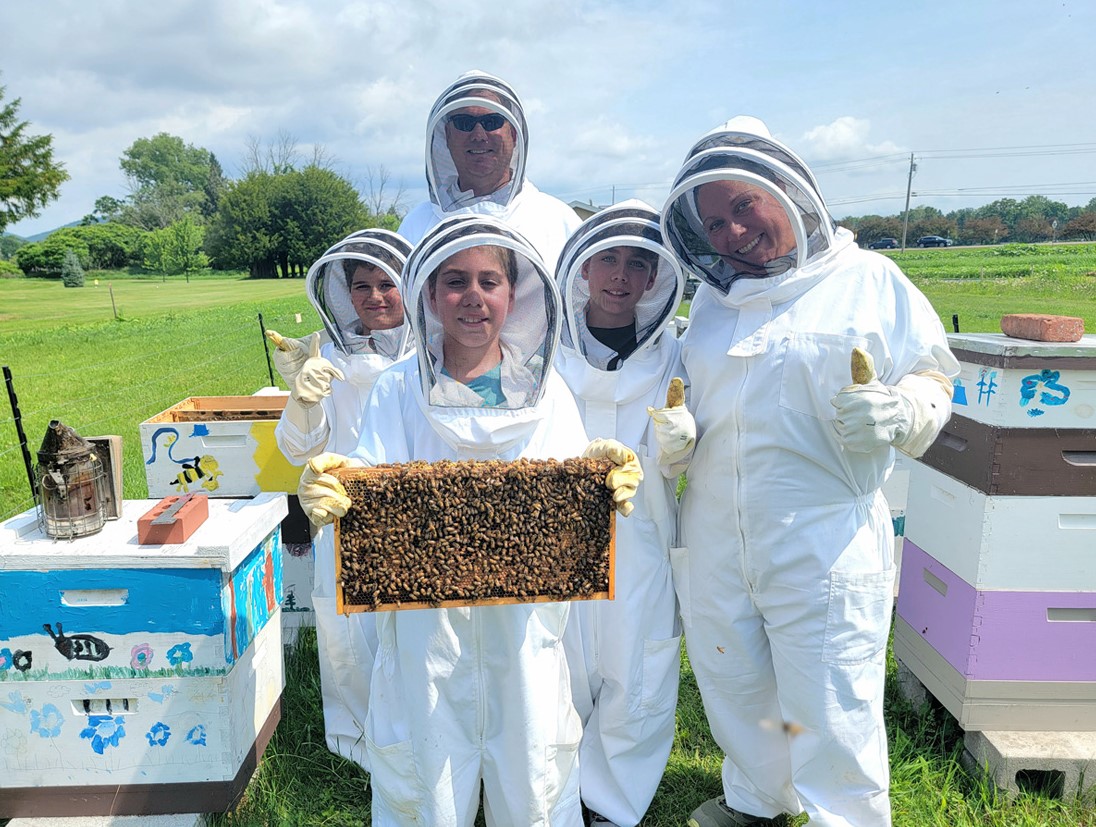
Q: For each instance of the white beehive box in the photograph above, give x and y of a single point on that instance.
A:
(1018, 383)
(1003, 542)
(222, 446)
(135, 678)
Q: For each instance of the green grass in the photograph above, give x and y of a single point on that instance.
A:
(72, 361)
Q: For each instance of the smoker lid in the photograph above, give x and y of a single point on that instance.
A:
(62, 444)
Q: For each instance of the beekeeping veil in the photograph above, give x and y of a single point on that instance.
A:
(329, 292)
(742, 150)
(628, 224)
(528, 336)
(473, 88)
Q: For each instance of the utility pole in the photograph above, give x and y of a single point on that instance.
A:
(909, 189)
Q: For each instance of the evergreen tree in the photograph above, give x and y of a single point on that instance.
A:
(72, 274)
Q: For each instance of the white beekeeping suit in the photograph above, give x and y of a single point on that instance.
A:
(625, 653)
(546, 222)
(346, 643)
(786, 574)
(478, 695)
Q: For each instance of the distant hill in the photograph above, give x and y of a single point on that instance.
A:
(43, 235)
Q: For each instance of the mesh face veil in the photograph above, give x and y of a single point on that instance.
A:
(755, 162)
(524, 322)
(329, 291)
(604, 254)
(485, 92)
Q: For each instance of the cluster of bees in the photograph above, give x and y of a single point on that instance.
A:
(473, 533)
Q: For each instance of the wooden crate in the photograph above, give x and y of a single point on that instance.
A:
(222, 446)
(428, 535)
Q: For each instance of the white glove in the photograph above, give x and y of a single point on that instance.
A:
(313, 382)
(624, 479)
(290, 354)
(871, 416)
(321, 495)
(908, 415)
(675, 430)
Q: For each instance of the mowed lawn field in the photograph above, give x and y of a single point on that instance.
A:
(71, 360)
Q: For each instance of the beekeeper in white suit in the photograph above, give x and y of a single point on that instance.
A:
(620, 287)
(464, 697)
(787, 573)
(354, 287)
(477, 143)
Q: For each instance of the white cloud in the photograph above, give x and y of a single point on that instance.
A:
(843, 139)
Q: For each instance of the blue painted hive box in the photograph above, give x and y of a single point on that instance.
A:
(139, 679)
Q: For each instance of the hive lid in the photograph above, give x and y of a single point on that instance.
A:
(998, 344)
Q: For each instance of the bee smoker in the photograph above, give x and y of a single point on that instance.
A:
(70, 484)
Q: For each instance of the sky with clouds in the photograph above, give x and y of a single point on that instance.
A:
(995, 98)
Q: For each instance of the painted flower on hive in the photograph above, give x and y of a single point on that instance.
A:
(158, 735)
(140, 656)
(15, 703)
(104, 731)
(5, 659)
(22, 660)
(47, 722)
(179, 654)
(197, 735)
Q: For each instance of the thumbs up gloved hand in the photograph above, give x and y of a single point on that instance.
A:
(908, 415)
(290, 354)
(321, 495)
(624, 479)
(313, 381)
(674, 427)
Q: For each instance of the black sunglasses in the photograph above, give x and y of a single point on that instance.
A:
(466, 123)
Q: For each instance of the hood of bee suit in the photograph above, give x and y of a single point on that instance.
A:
(441, 172)
(528, 336)
(742, 150)
(630, 223)
(330, 295)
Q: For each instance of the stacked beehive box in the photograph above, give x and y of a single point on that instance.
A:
(137, 680)
(997, 605)
(224, 446)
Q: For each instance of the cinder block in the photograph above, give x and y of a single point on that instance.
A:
(1039, 327)
(1056, 761)
(910, 686)
(187, 820)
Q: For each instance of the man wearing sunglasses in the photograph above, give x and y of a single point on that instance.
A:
(476, 148)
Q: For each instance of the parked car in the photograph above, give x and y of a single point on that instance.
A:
(934, 241)
(884, 244)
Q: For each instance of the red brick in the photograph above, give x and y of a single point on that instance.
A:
(185, 522)
(1043, 328)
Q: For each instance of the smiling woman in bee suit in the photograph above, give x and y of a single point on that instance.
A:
(476, 147)
(620, 287)
(354, 287)
(464, 697)
(787, 573)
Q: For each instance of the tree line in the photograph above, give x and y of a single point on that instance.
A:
(1032, 219)
(181, 213)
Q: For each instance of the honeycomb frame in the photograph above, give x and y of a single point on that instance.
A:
(475, 533)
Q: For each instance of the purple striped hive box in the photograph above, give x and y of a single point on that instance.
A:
(998, 635)
(1020, 706)
(1017, 383)
(1039, 462)
(134, 679)
(1003, 543)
